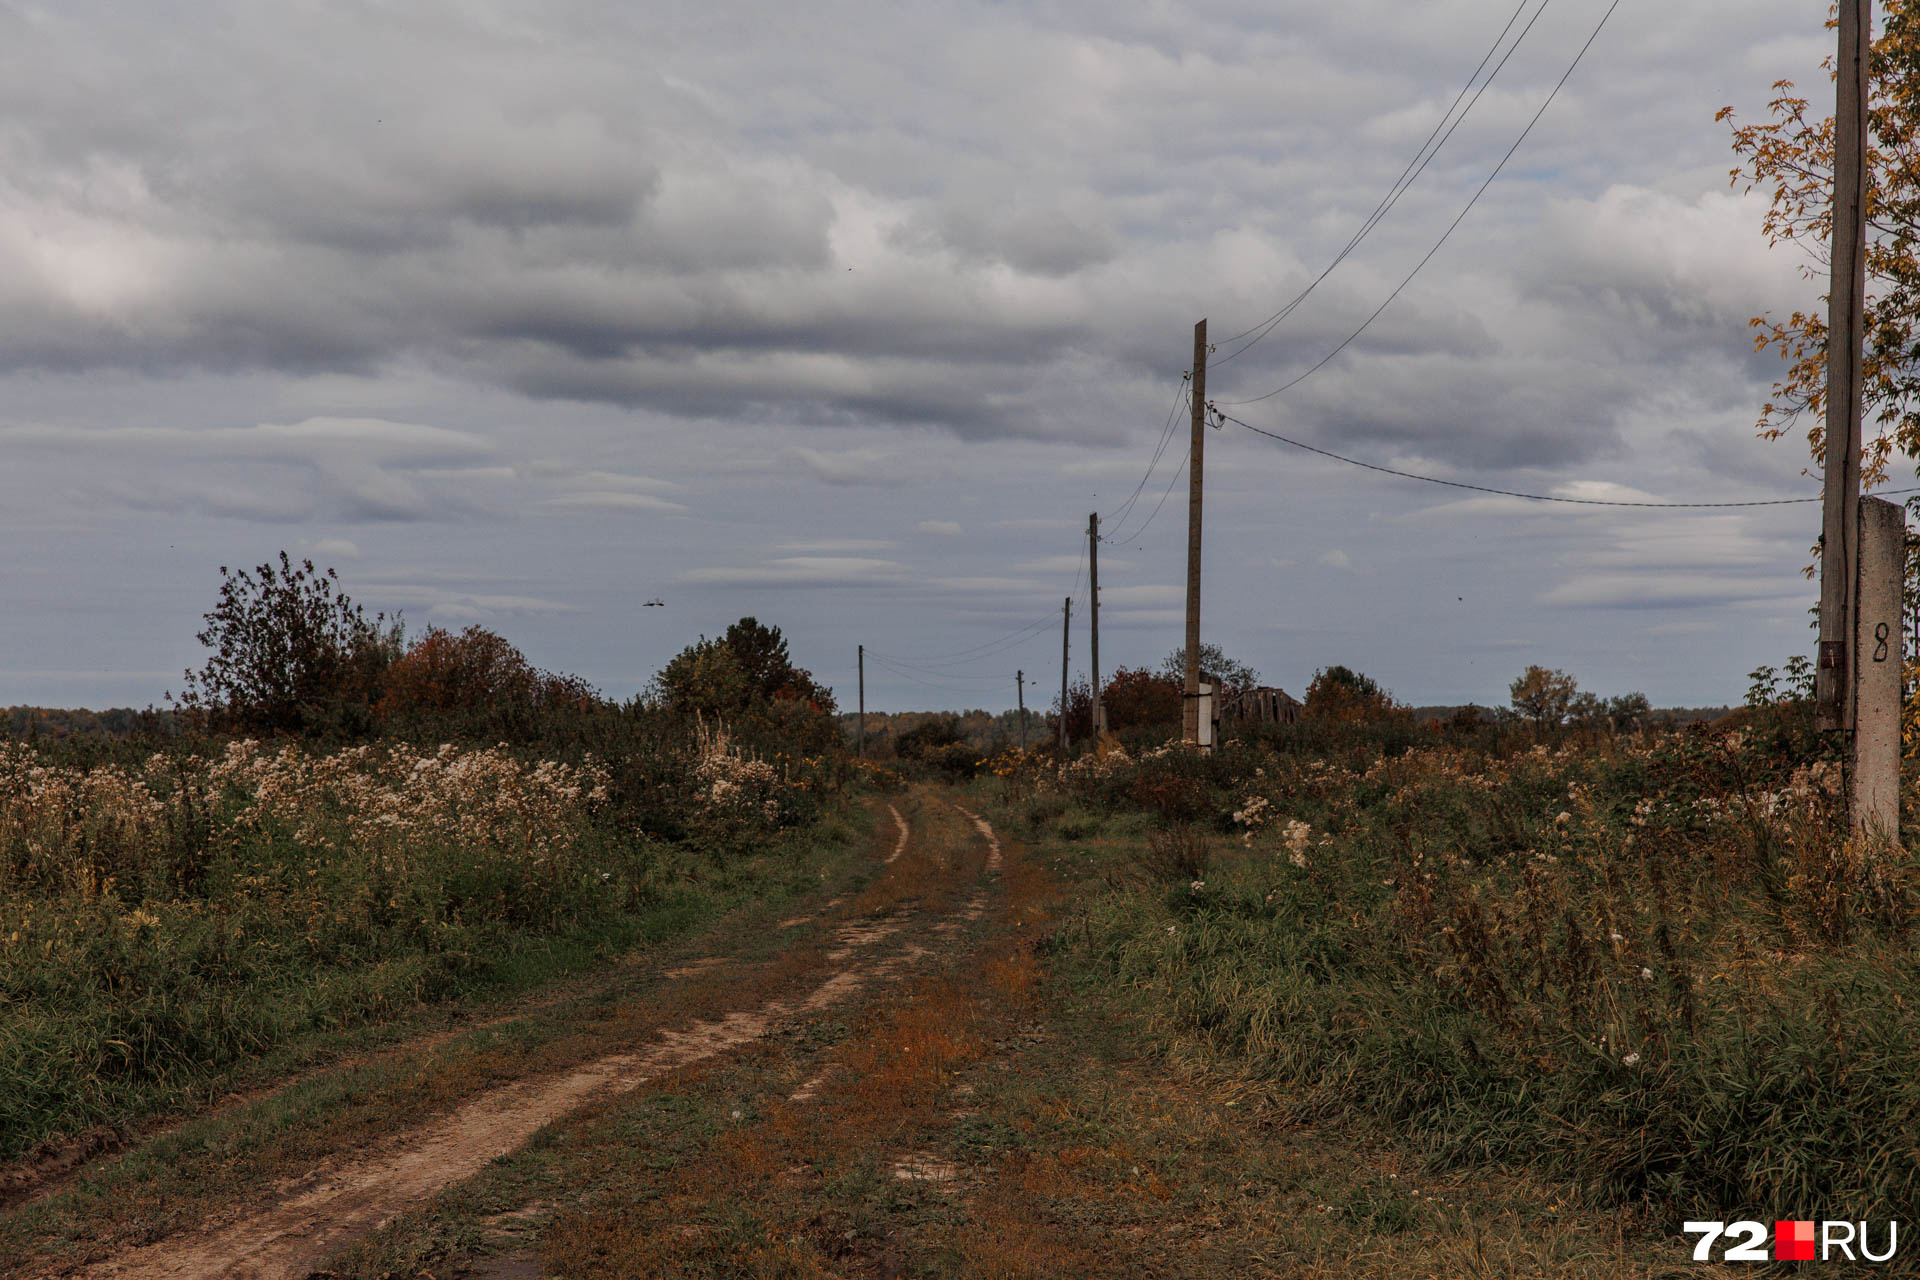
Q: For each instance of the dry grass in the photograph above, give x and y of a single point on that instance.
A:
(992, 1118)
(1038, 1142)
(224, 1158)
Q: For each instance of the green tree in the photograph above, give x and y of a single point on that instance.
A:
(747, 678)
(1629, 710)
(1232, 674)
(1544, 695)
(745, 668)
(291, 654)
(706, 679)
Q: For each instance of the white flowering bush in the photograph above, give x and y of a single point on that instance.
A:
(742, 799)
(73, 830)
(84, 831)
(386, 798)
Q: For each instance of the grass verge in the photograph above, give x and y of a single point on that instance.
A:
(360, 1086)
(1648, 970)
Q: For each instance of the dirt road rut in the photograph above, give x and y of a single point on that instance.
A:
(915, 904)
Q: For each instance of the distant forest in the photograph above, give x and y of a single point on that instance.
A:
(989, 730)
(986, 730)
(57, 724)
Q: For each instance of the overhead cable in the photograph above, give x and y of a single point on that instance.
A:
(1180, 398)
(1408, 176)
(1512, 493)
(1482, 190)
(1179, 471)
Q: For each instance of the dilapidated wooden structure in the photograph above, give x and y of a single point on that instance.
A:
(1264, 705)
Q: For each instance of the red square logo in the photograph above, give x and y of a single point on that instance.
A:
(1793, 1241)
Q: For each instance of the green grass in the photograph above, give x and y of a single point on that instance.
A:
(337, 1091)
(1620, 964)
(113, 1013)
(1074, 1151)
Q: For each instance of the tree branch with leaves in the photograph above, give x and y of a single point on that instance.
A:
(1790, 156)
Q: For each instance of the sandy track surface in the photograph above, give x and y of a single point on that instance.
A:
(296, 1228)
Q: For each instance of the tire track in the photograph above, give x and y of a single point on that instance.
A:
(346, 1198)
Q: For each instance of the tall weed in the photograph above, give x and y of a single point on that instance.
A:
(1654, 966)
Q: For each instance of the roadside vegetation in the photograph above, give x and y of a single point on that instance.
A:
(334, 828)
(1645, 963)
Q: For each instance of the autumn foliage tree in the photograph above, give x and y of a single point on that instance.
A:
(1341, 695)
(1135, 698)
(1790, 157)
(748, 679)
(1543, 695)
(474, 683)
(447, 672)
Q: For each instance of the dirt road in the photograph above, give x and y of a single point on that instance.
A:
(887, 1083)
(931, 886)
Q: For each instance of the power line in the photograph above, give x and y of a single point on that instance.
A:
(1179, 471)
(1512, 493)
(1482, 190)
(1006, 644)
(960, 657)
(959, 684)
(1408, 176)
(1166, 437)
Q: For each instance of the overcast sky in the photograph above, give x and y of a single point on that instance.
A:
(846, 315)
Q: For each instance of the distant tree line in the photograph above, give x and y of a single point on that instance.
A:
(290, 653)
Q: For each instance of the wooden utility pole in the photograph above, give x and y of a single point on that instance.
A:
(861, 749)
(1190, 704)
(1093, 608)
(1066, 630)
(1837, 669)
(1020, 692)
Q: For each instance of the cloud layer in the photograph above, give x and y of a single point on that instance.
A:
(849, 317)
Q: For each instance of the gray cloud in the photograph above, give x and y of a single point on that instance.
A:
(557, 303)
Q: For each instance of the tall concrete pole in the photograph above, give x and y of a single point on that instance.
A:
(1837, 669)
(862, 738)
(1093, 576)
(1190, 704)
(1066, 630)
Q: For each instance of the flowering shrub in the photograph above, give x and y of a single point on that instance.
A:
(162, 920)
(71, 830)
(389, 797)
(741, 799)
(86, 831)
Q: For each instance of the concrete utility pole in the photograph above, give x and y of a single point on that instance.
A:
(1190, 704)
(1093, 605)
(1846, 294)
(1066, 630)
(1874, 800)
(1862, 541)
(861, 749)
(1020, 692)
